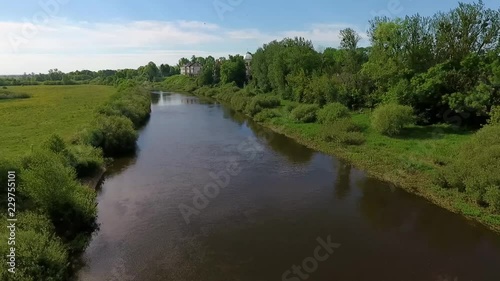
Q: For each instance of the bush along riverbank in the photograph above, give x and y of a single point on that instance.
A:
(452, 167)
(55, 212)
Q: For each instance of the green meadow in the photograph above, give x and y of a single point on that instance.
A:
(62, 110)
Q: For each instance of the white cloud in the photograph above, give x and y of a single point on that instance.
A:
(112, 45)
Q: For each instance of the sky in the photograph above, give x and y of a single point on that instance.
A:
(38, 35)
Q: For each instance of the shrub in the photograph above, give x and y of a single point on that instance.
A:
(114, 135)
(11, 95)
(390, 119)
(85, 159)
(492, 197)
(258, 103)
(133, 102)
(40, 255)
(239, 103)
(55, 144)
(305, 113)
(182, 83)
(265, 114)
(87, 136)
(51, 187)
(343, 131)
(291, 106)
(206, 91)
(475, 168)
(494, 115)
(332, 112)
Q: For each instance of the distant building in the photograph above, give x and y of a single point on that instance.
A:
(248, 59)
(191, 69)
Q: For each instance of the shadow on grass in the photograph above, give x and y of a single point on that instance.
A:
(431, 132)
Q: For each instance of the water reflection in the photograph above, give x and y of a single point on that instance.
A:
(168, 99)
(281, 144)
(343, 180)
(396, 210)
(234, 115)
(292, 150)
(155, 97)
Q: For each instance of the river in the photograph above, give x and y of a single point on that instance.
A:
(211, 195)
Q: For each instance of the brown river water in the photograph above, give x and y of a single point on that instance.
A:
(211, 195)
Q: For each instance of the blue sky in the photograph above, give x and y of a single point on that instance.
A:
(71, 34)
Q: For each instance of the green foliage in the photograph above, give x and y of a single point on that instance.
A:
(113, 130)
(56, 144)
(240, 103)
(40, 255)
(206, 91)
(305, 113)
(274, 62)
(233, 70)
(265, 115)
(332, 112)
(290, 106)
(115, 135)
(85, 159)
(343, 131)
(131, 101)
(390, 119)
(11, 95)
(475, 168)
(320, 90)
(494, 115)
(181, 83)
(258, 103)
(51, 186)
(227, 91)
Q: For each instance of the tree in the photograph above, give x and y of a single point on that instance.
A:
(151, 71)
(233, 70)
(349, 39)
(182, 62)
(207, 74)
(165, 70)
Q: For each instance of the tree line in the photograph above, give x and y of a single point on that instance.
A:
(444, 64)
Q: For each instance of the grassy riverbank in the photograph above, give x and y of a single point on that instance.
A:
(412, 160)
(66, 131)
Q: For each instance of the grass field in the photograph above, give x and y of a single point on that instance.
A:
(50, 109)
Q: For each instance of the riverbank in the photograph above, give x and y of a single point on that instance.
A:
(411, 161)
(94, 180)
(58, 175)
